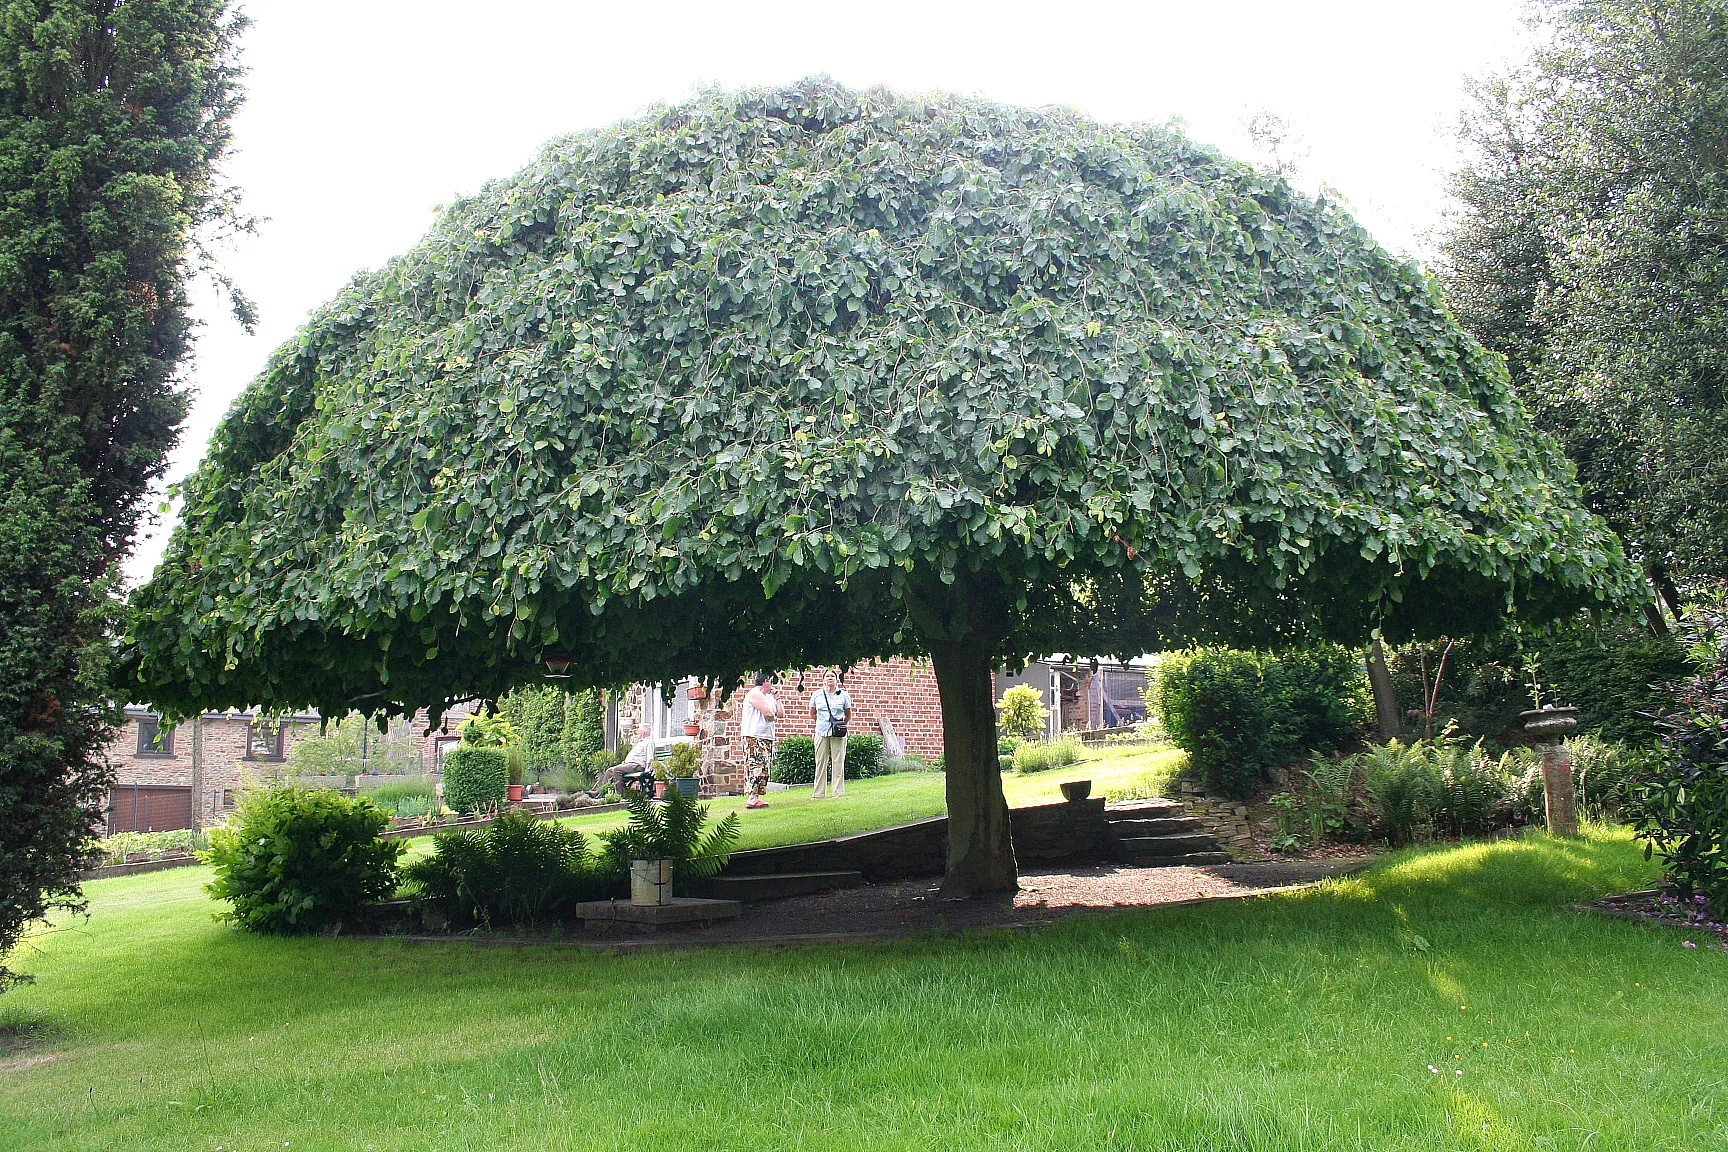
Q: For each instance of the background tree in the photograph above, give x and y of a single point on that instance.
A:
(1590, 249)
(805, 376)
(112, 119)
(1021, 712)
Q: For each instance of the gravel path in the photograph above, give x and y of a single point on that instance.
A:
(910, 907)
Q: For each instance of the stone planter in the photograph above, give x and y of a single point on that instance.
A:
(1076, 790)
(1551, 726)
(691, 786)
(650, 882)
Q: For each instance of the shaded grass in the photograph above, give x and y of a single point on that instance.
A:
(1294, 1022)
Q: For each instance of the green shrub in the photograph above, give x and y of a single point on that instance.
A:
(794, 761)
(1677, 798)
(684, 759)
(1602, 771)
(863, 756)
(1473, 795)
(1239, 715)
(1042, 757)
(475, 777)
(894, 765)
(585, 734)
(605, 758)
(1008, 745)
(298, 860)
(517, 870)
(1021, 712)
(672, 830)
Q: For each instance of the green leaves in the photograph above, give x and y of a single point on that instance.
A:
(754, 378)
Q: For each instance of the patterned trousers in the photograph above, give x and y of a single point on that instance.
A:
(758, 755)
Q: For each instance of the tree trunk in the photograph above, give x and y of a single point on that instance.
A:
(962, 624)
(1385, 699)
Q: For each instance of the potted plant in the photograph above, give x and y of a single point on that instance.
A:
(682, 764)
(660, 780)
(665, 843)
(696, 692)
(692, 728)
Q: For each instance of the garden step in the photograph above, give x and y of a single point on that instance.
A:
(1160, 826)
(1137, 846)
(1191, 859)
(1137, 809)
(775, 885)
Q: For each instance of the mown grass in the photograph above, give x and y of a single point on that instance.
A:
(1303, 1021)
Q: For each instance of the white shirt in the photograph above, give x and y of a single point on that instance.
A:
(755, 721)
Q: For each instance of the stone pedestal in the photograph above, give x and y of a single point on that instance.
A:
(1551, 725)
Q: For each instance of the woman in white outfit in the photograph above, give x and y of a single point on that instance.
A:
(832, 707)
(756, 725)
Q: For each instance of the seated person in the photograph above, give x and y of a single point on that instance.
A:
(640, 757)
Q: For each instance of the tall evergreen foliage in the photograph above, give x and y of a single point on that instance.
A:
(112, 119)
(1590, 249)
(804, 376)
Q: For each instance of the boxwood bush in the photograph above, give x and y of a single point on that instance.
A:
(475, 777)
(299, 859)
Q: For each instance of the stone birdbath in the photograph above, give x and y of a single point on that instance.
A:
(1551, 726)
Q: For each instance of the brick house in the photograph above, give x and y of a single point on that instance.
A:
(156, 788)
(901, 692)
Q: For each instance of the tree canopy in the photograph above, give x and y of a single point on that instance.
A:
(1590, 251)
(113, 117)
(808, 375)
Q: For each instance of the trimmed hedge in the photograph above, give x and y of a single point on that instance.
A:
(301, 859)
(475, 777)
(795, 759)
(1239, 715)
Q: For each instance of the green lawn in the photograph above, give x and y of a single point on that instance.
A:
(794, 817)
(1304, 1021)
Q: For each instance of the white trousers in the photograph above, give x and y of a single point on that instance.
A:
(830, 766)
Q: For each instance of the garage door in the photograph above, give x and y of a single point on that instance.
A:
(148, 808)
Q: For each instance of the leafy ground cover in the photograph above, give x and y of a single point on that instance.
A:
(1443, 1000)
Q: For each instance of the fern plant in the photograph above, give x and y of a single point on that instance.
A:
(519, 870)
(672, 830)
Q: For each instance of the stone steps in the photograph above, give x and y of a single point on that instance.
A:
(1159, 826)
(1190, 859)
(777, 885)
(1152, 809)
(1182, 845)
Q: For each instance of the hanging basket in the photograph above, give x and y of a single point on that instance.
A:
(696, 692)
(691, 728)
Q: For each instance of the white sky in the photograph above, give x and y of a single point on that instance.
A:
(362, 115)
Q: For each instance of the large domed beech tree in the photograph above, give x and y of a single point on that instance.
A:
(786, 377)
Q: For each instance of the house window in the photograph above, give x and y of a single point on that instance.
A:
(264, 740)
(153, 739)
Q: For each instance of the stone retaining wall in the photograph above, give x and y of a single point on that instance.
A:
(1225, 819)
(1073, 832)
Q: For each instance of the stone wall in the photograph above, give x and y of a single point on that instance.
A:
(1069, 832)
(1226, 819)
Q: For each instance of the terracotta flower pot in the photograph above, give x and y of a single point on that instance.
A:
(691, 728)
(515, 793)
(696, 692)
(659, 789)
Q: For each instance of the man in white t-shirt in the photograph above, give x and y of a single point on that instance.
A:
(756, 725)
(641, 756)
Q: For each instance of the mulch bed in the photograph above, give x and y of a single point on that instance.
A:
(907, 908)
(1654, 906)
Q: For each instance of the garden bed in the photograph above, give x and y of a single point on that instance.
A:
(1652, 905)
